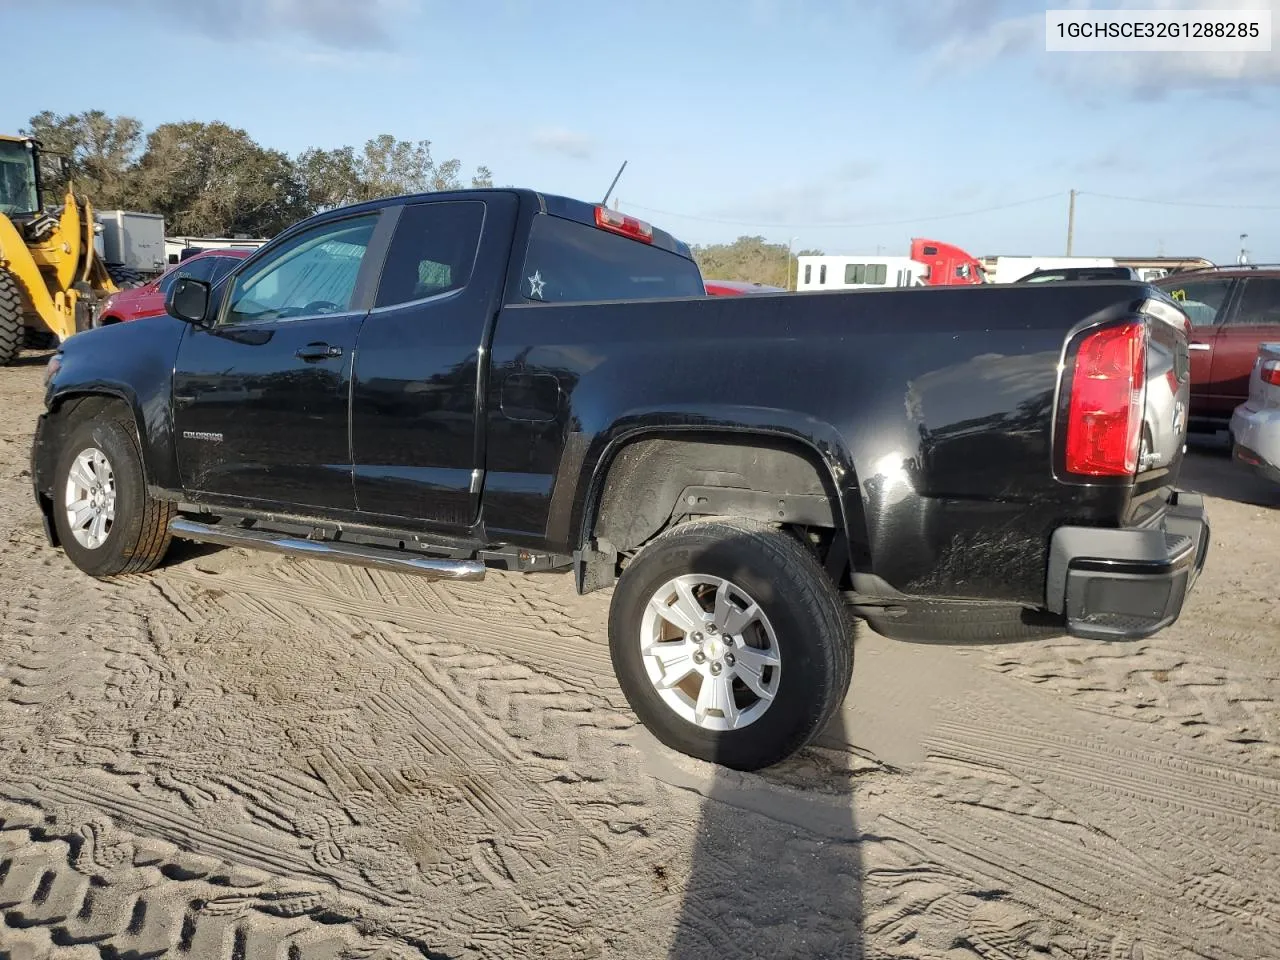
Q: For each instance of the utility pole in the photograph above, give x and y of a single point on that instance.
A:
(790, 242)
(1071, 222)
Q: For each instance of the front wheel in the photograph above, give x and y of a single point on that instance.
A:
(730, 642)
(106, 522)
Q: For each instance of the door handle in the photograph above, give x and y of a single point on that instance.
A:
(318, 351)
(1200, 346)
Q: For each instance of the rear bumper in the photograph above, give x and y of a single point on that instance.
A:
(1255, 438)
(1127, 584)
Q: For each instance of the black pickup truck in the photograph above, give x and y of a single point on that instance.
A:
(442, 383)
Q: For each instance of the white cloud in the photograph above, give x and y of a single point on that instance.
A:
(566, 142)
(332, 24)
(979, 33)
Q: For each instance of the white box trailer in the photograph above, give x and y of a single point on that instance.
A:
(858, 272)
(131, 240)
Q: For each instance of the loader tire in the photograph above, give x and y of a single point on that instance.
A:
(12, 329)
(126, 278)
(35, 339)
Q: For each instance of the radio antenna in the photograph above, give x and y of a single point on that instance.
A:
(605, 201)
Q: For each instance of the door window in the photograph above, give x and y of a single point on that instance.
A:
(201, 269)
(433, 251)
(1259, 304)
(1202, 300)
(313, 274)
(223, 266)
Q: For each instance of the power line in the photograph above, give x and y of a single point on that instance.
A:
(815, 226)
(943, 216)
(1178, 203)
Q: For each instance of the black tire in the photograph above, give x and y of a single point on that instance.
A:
(138, 538)
(34, 339)
(814, 637)
(942, 622)
(12, 329)
(126, 278)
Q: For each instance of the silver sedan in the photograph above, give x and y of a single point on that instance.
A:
(1255, 425)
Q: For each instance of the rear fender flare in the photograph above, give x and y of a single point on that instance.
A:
(820, 442)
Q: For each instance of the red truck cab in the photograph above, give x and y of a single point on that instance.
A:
(949, 266)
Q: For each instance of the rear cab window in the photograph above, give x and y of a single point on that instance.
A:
(567, 262)
(433, 251)
(1201, 300)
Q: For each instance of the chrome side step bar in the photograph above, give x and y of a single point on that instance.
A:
(348, 553)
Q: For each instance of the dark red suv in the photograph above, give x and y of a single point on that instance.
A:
(148, 299)
(1232, 310)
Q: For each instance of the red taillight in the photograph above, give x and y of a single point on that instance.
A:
(1104, 419)
(607, 219)
(1271, 372)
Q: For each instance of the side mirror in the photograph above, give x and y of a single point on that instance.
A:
(188, 301)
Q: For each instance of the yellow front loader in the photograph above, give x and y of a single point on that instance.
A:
(50, 273)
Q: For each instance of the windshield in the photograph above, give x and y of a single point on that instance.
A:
(17, 179)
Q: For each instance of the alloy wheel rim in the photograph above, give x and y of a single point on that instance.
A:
(90, 498)
(710, 652)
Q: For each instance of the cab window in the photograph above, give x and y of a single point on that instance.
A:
(313, 274)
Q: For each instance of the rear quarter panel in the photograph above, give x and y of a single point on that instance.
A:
(929, 409)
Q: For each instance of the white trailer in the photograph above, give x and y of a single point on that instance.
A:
(132, 244)
(856, 273)
(173, 246)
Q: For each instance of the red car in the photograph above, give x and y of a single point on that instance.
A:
(736, 288)
(148, 299)
(1233, 309)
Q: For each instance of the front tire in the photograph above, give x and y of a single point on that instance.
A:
(12, 328)
(730, 642)
(106, 522)
(126, 278)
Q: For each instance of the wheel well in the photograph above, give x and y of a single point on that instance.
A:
(70, 412)
(655, 483)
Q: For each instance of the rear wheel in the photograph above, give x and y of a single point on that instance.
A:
(730, 642)
(106, 522)
(126, 278)
(12, 330)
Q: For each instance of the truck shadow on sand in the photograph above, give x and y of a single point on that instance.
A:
(776, 869)
(776, 859)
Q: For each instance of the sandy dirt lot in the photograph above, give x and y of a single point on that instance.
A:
(245, 756)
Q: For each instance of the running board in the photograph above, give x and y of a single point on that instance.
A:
(348, 553)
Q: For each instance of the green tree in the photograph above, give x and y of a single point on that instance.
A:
(385, 167)
(215, 180)
(752, 259)
(102, 151)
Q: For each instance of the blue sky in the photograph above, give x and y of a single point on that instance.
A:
(850, 125)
